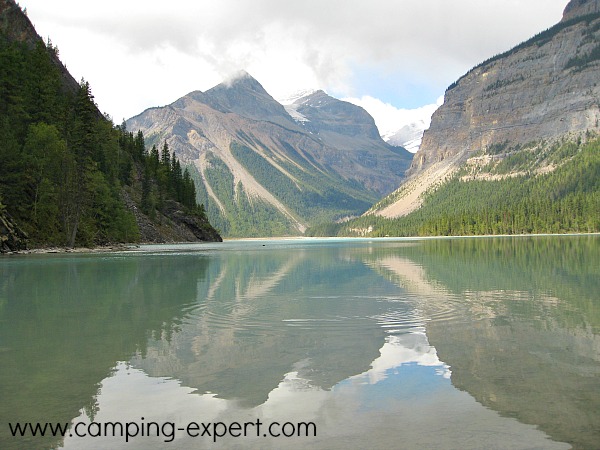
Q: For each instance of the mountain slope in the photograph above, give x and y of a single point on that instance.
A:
(544, 89)
(68, 176)
(514, 147)
(261, 171)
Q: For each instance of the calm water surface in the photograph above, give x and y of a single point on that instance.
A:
(446, 344)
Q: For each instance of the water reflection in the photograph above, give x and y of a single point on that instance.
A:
(370, 340)
(265, 315)
(66, 321)
(522, 321)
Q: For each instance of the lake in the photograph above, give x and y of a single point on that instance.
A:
(310, 343)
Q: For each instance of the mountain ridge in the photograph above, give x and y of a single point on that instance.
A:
(316, 159)
(543, 89)
(514, 149)
(578, 8)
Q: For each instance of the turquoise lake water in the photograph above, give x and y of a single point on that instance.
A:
(394, 343)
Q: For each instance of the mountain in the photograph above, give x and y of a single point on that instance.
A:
(408, 136)
(263, 168)
(542, 89)
(513, 148)
(68, 176)
(398, 127)
(577, 8)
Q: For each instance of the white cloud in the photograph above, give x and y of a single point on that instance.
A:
(138, 54)
(389, 119)
(410, 348)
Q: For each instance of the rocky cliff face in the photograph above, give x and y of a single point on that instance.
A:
(326, 115)
(12, 238)
(262, 163)
(578, 8)
(543, 89)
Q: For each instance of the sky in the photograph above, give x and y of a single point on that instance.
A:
(392, 55)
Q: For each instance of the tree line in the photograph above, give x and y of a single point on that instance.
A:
(64, 165)
(565, 200)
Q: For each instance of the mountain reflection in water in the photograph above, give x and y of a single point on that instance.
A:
(368, 339)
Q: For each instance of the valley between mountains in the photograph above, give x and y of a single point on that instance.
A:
(513, 149)
(519, 120)
(262, 168)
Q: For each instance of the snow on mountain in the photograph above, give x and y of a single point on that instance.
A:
(399, 127)
(297, 95)
(403, 127)
(291, 104)
(292, 110)
(409, 136)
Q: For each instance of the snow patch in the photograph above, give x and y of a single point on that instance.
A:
(295, 96)
(409, 136)
(292, 110)
(396, 126)
(292, 101)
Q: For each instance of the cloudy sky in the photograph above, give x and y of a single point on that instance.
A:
(391, 54)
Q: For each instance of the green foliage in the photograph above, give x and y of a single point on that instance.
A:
(160, 175)
(307, 194)
(241, 217)
(580, 62)
(523, 160)
(63, 165)
(304, 193)
(566, 199)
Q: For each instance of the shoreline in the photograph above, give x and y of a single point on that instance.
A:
(63, 250)
(132, 247)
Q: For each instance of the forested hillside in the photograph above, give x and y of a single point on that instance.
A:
(68, 176)
(514, 149)
(543, 90)
(264, 170)
(503, 196)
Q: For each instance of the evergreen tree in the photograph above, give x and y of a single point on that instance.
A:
(154, 161)
(64, 167)
(139, 146)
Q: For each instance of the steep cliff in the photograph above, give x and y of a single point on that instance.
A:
(578, 8)
(12, 238)
(544, 89)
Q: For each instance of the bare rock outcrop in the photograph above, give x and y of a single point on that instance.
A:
(12, 238)
(172, 224)
(544, 88)
(578, 8)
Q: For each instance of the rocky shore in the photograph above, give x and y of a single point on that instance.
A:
(12, 238)
(49, 250)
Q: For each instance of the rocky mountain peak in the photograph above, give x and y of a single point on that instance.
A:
(242, 80)
(242, 94)
(543, 90)
(328, 114)
(266, 169)
(296, 96)
(318, 95)
(577, 8)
